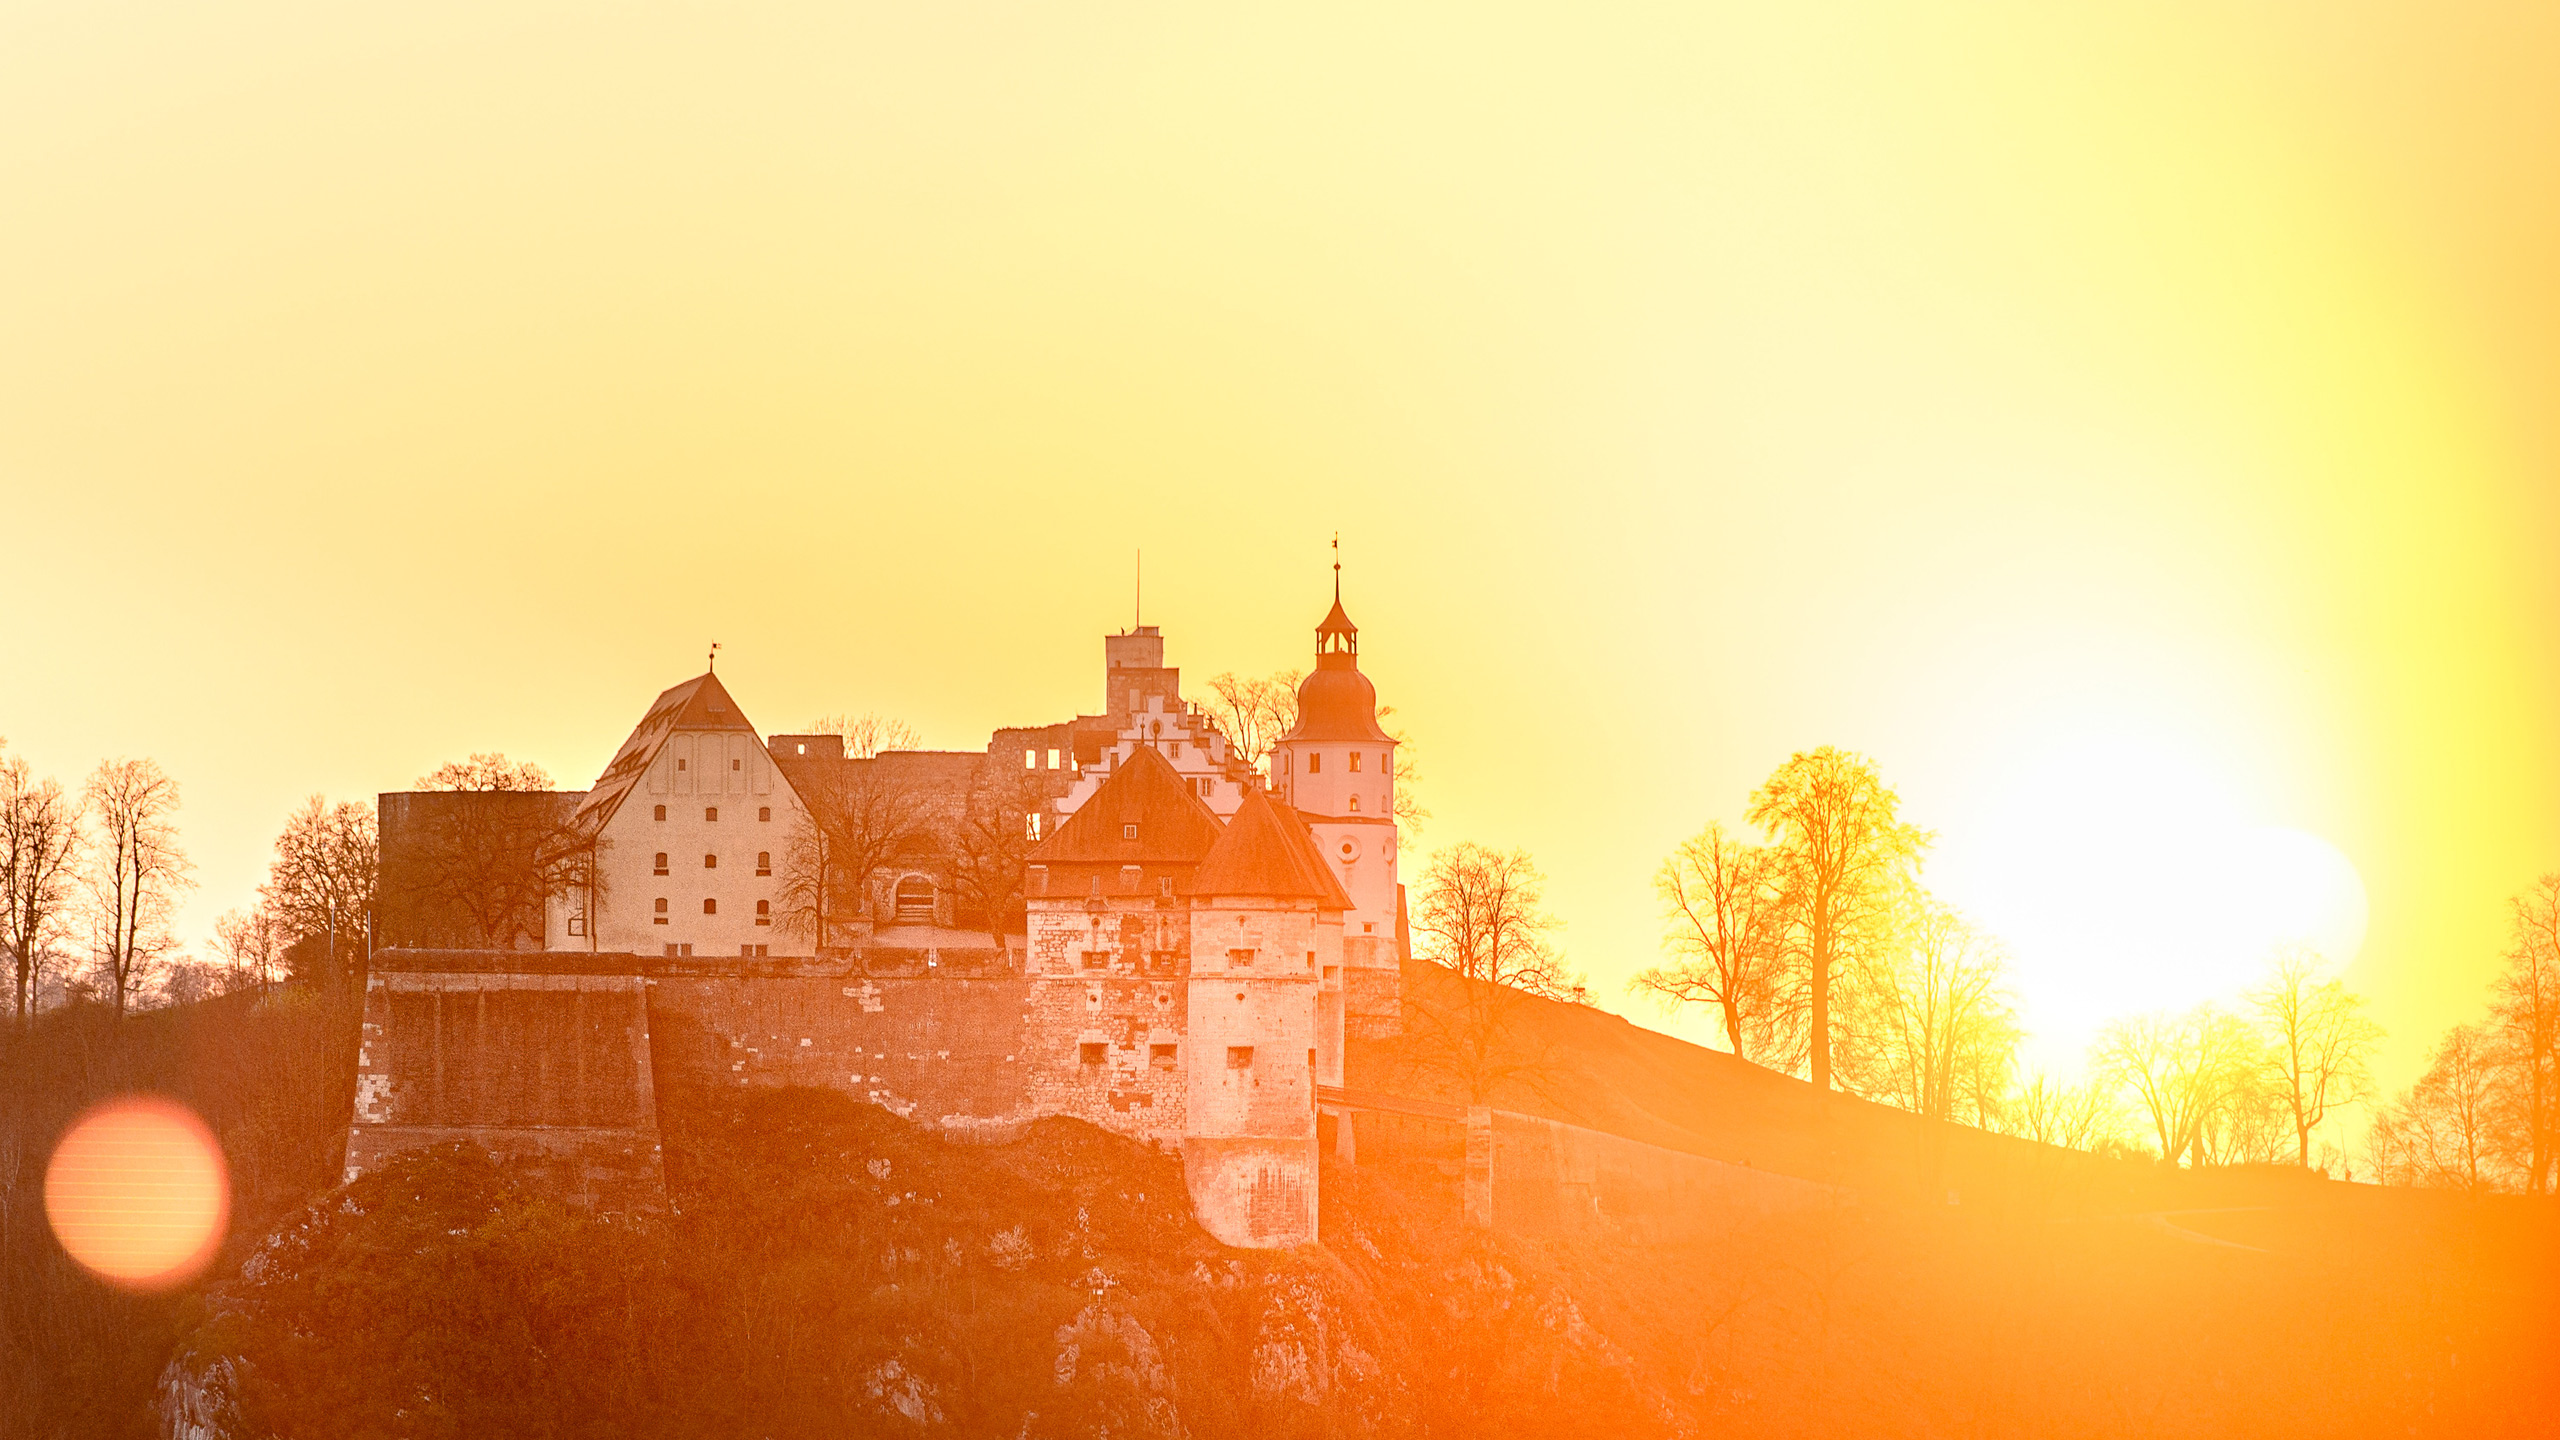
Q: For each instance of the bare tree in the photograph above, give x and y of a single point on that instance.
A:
(2076, 1117)
(136, 870)
(321, 884)
(857, 818)
(1482, 914)
(2181, 1068)
(480, 863)
(1253, 712)
(2319, 1043)
(39, 850)
(1724, 922)
(1846, 852)
(1934, 1031)
(989, 842)
(251, 944)
(487, 772)
(868, 733)
(2444, 1130)
(2524, 1018)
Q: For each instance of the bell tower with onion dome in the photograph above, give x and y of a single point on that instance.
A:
(1337, 768)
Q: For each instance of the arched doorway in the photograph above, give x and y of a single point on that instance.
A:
(912, 903)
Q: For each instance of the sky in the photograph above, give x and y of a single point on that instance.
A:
(2132, 425)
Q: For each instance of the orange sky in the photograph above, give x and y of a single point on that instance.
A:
(2158, 390)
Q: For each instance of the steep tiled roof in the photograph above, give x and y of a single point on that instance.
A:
(1144, 814)
(701, 703)
(1267, 850)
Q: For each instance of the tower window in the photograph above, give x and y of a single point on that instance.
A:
(764, 812)
(1239, 1057)
(738, 764)
(1030, 759)
(710, 907)
(710, 862)
(764, 862)
(662, 862)
(1053, 759)
(764, 912)
(1355, 762)
(679, 762)
(1355, 804)
(1315, 763)
(710, 812)
(662, 812)
(661, 917)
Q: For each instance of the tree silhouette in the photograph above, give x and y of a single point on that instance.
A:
(2319, 1043)
(1725, 922)
(1844, 850)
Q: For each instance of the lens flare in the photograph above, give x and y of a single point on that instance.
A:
(138, 1193)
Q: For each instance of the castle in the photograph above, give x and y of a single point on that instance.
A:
(1114, 917)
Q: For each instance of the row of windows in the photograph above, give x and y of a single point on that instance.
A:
(764, 862)
(764, 910)
(674, 950)
(1239, 1057)
(1315, 762)
(1031, 759)
(734, 765)
(712, 813)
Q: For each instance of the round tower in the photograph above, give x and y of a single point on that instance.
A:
(1337, 768)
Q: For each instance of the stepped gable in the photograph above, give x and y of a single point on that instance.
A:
(1145, 814)
(1268, 852)
(701, 703)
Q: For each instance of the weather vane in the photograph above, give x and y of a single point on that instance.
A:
(713, 664)
(1337, 567)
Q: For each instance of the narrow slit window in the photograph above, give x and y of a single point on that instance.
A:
(662, 812)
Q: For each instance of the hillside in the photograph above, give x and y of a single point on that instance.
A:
(831, 1269)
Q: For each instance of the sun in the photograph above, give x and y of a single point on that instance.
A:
(2129, 873)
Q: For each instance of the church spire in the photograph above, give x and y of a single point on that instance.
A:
(1337, 639)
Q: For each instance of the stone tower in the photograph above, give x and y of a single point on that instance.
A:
(1336, 767)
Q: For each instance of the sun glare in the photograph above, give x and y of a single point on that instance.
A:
(2130, 875)
(138, 1192)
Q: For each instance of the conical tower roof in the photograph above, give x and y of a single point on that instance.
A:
(1268, 852)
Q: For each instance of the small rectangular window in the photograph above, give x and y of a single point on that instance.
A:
(662, 904)
(1240, 957)
(1053, 759)
(671, 949)
(1177, 749)
(1239, 1057)
(577, 924)
(1030, 759)
(737, 764)
(1311, 1057)
(1097, 959)
(1205, 784)
(1131, 877)
(1164, 886)
(684, 949)
(710, 812)
(764, 862)
(662, 812)
(1031, 825)
(764, 912)
(1092, 1052)
(764, 812)
(1038, 875)
(710, 862)
(662, 863)
(1128, 832)
(1160, 1055)
(1315, 763)
(679, 762)
(710, 907)
(1355, 762)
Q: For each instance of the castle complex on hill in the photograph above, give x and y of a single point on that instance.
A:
(1115, 917)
